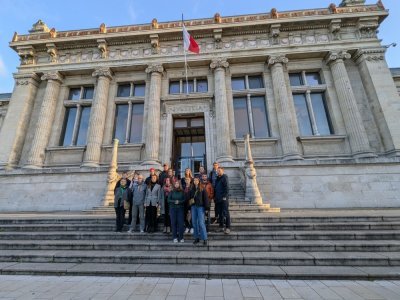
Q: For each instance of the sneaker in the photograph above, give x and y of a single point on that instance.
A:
(227, 231)
(141, 231)
(130, 231)
(182, 241)
(187, 230)
(191, 230)
(196, 241)
(165, 230)
(168, 229)
(175, 240)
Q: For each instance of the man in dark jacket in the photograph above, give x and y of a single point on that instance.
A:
(222, 201)
(163, 175)
(128, 183)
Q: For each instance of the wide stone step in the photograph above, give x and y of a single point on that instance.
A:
(238, 224)
(200, 256)
(214, 245)
(235, 235)
(202, 271)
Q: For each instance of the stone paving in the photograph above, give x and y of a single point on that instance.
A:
(92, 287)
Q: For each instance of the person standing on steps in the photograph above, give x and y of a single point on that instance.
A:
(124, 175)
(205, 184)
(171, 176)
(167, 189)
(213, 179)
(152, 202)
(121, 200)
(176, 201)
(187, 192)
(222, 201)
(138, 198)
(152, 172)
(163, 174)
(199, 205)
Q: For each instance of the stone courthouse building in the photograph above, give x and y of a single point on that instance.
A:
(311, 87)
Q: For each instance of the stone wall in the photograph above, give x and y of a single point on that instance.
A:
(62, 190)
(330, 185)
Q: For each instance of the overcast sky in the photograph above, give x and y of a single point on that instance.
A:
(19, 15)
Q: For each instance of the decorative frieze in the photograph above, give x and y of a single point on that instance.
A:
(368, 27)
(334, 28)
(155, 44)
(102, 46)
(25, 79)
(26, 55)
(218, 38)
(372, 55)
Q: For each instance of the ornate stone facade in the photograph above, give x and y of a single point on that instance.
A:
(328, 113)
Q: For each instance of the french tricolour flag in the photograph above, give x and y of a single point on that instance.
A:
(189, 43)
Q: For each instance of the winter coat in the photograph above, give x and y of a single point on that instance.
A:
(154, 195)
(139, 193)
(200, 197)
(221, 188)
(121, 195)
(174, 196)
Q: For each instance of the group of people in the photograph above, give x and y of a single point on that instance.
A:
(183, 202)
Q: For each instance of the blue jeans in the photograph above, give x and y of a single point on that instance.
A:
(199, 225)
(176, 215)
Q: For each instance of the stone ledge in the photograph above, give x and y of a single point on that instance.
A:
(321, 138)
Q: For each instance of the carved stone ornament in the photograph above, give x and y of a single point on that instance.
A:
(155, 44)
(275, 30)
(277, 60)
(53, 33)
(39, 27)
(55, 76)
(335, 56)
(102, 72)
(219, 63)
(352, 3)
(52, 51)
(25, 79)
(371, 55)
(15, 37)
(154, 68)
(274, 13)
(218, 38)
(367, 27)
(333, 8)
(26, 54)
(154, 23)
(102, 28)
(334, 28)
(102, 46)
(217, 18)
(380, 5)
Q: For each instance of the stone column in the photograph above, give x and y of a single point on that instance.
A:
(358, 137)
(44, 124)
(15, 124)
(284, 108)
(221, 110)
(97, 118)
(382, 94)
(152, 138)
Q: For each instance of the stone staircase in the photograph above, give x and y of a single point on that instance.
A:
(334, 244)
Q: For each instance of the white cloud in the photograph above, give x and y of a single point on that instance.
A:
(3, 70)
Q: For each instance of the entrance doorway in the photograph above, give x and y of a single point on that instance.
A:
(189, 147)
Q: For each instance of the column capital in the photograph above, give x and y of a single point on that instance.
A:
(55, 76)
(219, 63)
(103, 72)
(336, 56)
(158, 68)
(25, 79)
(371, 54)
(278, 59)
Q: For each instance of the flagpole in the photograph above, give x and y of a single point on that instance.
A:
(184, 51)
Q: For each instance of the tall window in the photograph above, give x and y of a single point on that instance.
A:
(249, 106)
(310, 104)
(194, 85)
(128, 122)
(77, 114)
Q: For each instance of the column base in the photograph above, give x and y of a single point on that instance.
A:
(365, 155)
(293, 156)
(225, 158)
(393, 153)
(151, 164)
(32, 167)
(90, 165)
